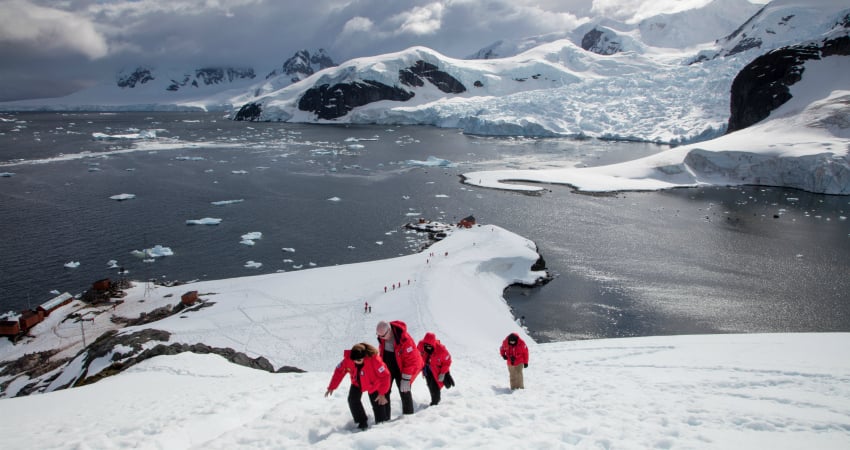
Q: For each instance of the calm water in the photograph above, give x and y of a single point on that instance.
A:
(683, 261)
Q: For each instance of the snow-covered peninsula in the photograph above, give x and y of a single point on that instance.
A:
(722, 391)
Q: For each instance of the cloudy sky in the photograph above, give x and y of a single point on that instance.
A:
(52, 47)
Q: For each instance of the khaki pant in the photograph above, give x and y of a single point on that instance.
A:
(516, 376)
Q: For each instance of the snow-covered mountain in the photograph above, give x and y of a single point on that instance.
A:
(782, 23)
(680, 30)
(600, 82)
(147, 87)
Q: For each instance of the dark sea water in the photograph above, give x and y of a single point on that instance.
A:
(708, 260)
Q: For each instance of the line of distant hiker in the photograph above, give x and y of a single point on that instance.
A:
(399, 359)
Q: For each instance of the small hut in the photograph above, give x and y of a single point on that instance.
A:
(30, 318)
(466, 222)
(10, 328)
(189, 298)
(55, 303)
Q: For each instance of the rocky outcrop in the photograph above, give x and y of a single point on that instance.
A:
(139, 76)
(417, 74)
(250, 112)
(303, 64)
(107, 343)
(212, 75)
(763, 85)
(602, 41)
(333, 101)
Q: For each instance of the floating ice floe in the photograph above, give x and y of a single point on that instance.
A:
(249, 238)
(157, 251)
(253, 265)
(122, 197)
(334, 199)
(190, 158)
(356, 146)
(227, 202)
(146, 134)
(6, 174)
(239, 172)
(72, 264)
(288, 249)
(431, 161)
(112, 264)
(204, 221)
(441, 196)
(379, 242)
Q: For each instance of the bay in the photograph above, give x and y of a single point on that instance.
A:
(707, 260)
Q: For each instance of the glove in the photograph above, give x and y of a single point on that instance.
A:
(513, 361)
(525, 365)
(441, 378)
(505, 357)
(404, 386)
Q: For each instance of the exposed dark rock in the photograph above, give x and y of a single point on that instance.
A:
(212, 75)
(303, 64)
(249, 112)
(602, 42)
(763, 85)
(139, 76)
(414, 75)
(478, 83)
(104, 345)
(330, 102)
(744, 45)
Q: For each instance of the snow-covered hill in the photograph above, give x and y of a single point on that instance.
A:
(723, 391)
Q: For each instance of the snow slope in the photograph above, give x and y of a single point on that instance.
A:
(804, 144)
(724, 391)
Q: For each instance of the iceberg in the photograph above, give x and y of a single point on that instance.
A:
(204, 221)
(431, 161)
(157, 251)
(146, 134)
(226, 202)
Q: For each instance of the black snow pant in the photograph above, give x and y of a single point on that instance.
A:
(433, 387)
(395, 371)
(358, 413)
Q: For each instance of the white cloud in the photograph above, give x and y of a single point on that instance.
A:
(36, 28)
(357, 25)
(420, 20)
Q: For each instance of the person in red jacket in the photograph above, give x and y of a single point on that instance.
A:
(398, 350)
(368, 374)
(437, 362)
(515, 352)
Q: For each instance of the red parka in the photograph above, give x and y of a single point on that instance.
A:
(440, 359)
(374, 375)
(514, 354)
(406, 356)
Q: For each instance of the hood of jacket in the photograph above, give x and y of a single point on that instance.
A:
(430, 339)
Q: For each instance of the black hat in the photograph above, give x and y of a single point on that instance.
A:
(512, 338)
(356, 354)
